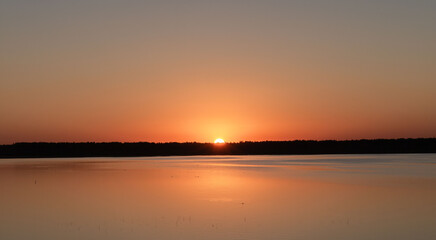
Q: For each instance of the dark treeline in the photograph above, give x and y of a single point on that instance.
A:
(117, 149)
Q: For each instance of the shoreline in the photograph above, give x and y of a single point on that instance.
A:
(144, 149)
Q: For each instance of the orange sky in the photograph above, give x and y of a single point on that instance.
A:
(196, 71)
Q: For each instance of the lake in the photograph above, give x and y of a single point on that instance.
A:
(390, 196)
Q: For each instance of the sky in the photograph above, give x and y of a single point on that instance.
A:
(164, 71)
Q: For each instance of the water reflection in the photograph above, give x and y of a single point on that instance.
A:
(220, 197)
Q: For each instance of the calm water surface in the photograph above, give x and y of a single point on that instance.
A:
(220, 197)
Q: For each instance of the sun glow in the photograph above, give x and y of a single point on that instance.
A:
(219, 140)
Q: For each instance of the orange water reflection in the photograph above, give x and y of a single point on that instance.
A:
(218, 198)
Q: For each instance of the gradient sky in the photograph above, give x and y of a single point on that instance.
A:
(105, 70)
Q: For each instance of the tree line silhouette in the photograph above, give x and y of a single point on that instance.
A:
(118, 149)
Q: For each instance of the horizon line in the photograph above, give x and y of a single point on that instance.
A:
(242, 141)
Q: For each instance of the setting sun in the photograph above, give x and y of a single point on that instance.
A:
(219, 140)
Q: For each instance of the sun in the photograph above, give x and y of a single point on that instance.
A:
(219, 140)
